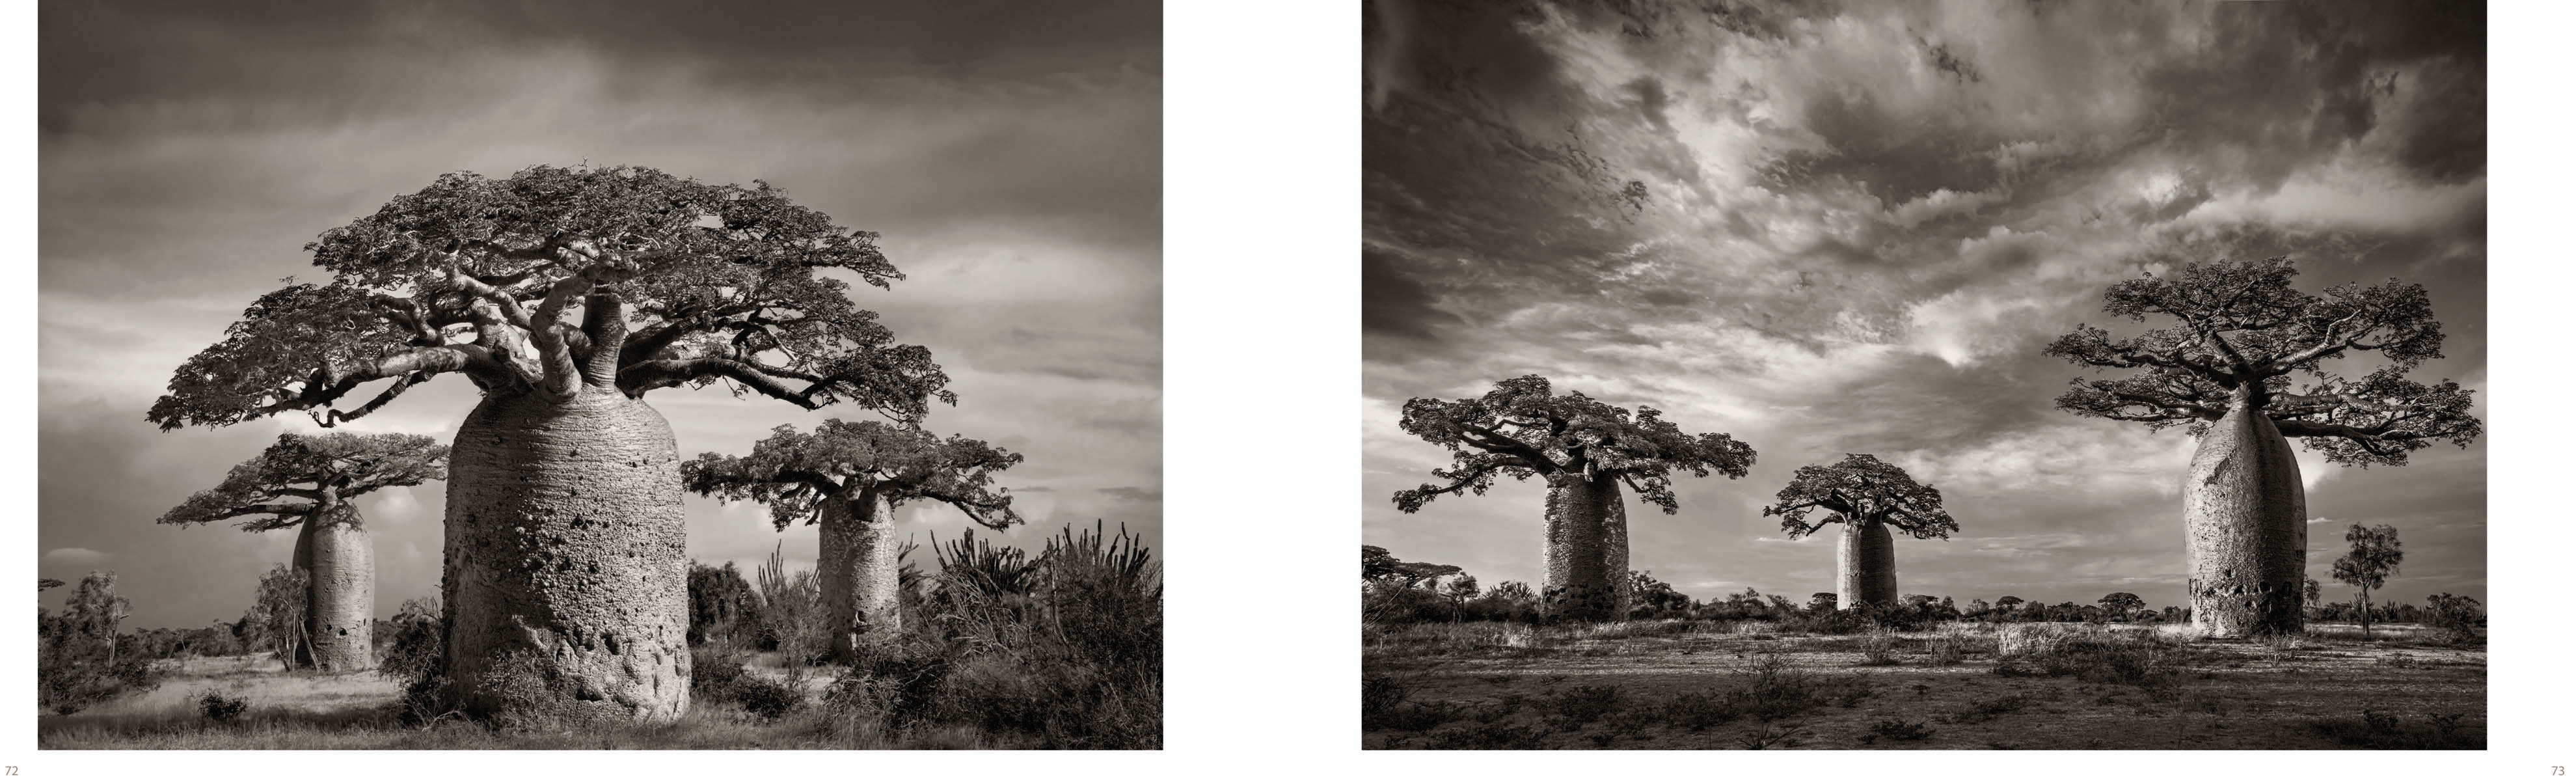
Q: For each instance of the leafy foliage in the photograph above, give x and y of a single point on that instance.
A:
(304, 474)
(2241, 331)
(721, 603)
(795, 473)
(2122, 603)
(2374, 556)
(1521, 428)
(679, 283)
(1862, 488)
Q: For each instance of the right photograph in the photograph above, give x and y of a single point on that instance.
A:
(1945, 375)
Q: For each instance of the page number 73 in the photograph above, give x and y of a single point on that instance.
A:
(2555, 770)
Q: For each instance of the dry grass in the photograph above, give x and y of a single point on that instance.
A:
(2114, 686)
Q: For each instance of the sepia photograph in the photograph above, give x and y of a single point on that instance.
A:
(592, 375)
(1949, 375)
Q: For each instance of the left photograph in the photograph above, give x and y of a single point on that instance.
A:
(599, 376)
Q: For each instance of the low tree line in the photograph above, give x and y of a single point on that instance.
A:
(1397, 591)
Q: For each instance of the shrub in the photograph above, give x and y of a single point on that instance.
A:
(766, 698)
(217, 707)
(1987, 710)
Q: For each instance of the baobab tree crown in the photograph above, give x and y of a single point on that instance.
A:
(2242, 332)
(794, 473)
(1857, 489)
(623, 279)
(1521, 429)
(303, 474)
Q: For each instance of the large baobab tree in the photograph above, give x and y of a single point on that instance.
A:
(850, 478)
(566, 295)
(2224, 369)
(1869, 497)
(310, 483)
(2374, 556)
(1585, 450)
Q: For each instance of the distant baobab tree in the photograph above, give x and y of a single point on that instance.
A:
(850, 478)
(311, 483)
(2122, 604)
(565, 295)
(1585, 450)
(2224, 369)
(1869, 497)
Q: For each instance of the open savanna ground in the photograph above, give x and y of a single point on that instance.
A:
(310, 710)
(1750, 684)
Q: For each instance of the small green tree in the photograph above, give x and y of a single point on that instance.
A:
(95, 609)
(279, 605)
(2374, 556)
(2121, 604)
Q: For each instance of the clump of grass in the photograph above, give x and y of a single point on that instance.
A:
(1878, 649)
(1775, 735)
(2379, 730)
(2400, 660)
(219, 708)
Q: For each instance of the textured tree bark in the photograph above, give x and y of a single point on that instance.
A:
(566, 579)
(339, 563)
(2246, 517)
(859, 579)
(1866, 564)
(1587, 549)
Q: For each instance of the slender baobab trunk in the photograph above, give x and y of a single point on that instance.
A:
(1866, 564)
(2246, 516)
(1587, 549)
(861, 597)
(339, 564)
(566, 581)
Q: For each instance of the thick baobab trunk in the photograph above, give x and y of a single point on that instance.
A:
(339, 564)
(2246, 517)
(1866, 565)
(858, 573)
(566, 582)
(1587, 549)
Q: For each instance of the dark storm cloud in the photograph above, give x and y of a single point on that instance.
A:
(1009, 154)
(1862, 224)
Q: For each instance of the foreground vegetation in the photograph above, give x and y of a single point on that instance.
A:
(1003, 649)
(1686, 683)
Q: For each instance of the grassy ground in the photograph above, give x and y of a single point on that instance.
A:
(1683, 684)
(304, 710)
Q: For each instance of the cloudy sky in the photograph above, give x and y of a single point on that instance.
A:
(1858, 228)
(1010, 154)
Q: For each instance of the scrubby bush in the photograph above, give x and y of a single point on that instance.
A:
(217, 707)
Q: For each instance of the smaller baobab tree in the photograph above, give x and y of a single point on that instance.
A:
(850, 478)
(2374, 556)
(310, 483)
(2224, 370)
(1585, 450)
(1869, 497)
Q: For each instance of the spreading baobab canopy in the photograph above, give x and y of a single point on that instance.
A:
(566, 295)
(2248, 362)
(1585, 450)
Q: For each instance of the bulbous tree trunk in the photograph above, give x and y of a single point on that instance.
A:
(566, 578)
(859, 573)
(1866, 565)
(339, 563)
(1587, 549)
(2246, 517)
